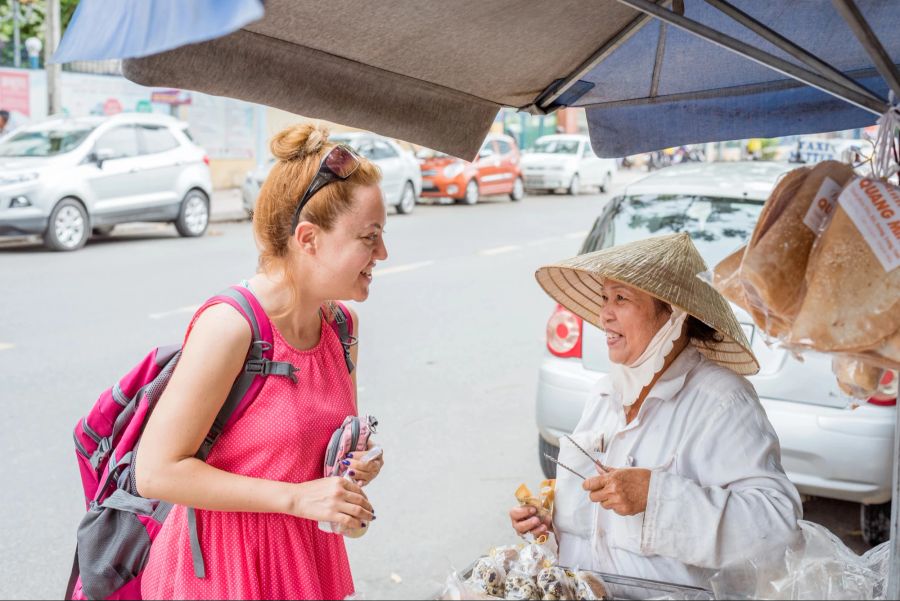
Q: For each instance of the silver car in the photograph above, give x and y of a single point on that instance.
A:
(66, 178)
(832, 446)
(401, 181)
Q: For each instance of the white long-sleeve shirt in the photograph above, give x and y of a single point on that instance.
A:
(718, 493)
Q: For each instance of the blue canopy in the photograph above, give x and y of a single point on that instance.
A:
(437, 73)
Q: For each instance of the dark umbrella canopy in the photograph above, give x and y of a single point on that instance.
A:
(436, 73)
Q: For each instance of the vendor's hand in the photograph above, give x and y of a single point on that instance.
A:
(335, 500)
(525, 519)
(363, 473)
(621, 490)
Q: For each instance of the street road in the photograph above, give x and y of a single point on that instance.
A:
(451, 340)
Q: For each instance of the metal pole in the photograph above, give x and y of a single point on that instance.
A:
(53, 23)
(17, 37)
(869, 40)
(893, 583)
(807, 58)
(595, 59)
(764, 58)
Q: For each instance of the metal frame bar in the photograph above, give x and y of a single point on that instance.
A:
(595, 59)
(657, 64)
(807, 58)
(764, 58)
(869, 41)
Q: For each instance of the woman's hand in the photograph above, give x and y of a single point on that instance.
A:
(363, 473)
(526, 519)
(621, 490)
(331, 500)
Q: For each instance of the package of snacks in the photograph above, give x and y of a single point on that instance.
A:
(534, 556)
(590, 587)
(488, 577)
(520, 586)
(506, 556)
(555, 583)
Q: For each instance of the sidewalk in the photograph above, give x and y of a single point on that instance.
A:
(227, 205)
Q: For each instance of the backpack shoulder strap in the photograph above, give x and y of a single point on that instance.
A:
(259, 364)
(343, 327)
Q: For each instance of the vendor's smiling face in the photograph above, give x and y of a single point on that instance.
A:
(630, 319)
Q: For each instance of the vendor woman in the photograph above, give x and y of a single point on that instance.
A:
(693, 477)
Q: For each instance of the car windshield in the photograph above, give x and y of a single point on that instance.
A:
(556, 146)
(718, 226)
(44, 143)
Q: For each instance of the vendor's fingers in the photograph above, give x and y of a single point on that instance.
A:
(602, 496)
(540, 531)
(518, 514)
(595, 483)
(525, 526)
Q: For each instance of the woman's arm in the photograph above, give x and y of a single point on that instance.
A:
(741, 504)
(166, 467)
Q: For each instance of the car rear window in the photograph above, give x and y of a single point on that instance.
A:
(718, 226)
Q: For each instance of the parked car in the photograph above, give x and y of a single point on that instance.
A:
(566, 161)
(495, 171)
(831, 446)
(401, 180)
(66, 178)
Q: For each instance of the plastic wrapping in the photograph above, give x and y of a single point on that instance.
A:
(520, 586)
(457, 589)
(819, 566)
(556, 583)
(536, 555)
(857, 378)
(488, 577)
(590, 587)
(506, 556)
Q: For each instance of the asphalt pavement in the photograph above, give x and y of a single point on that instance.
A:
(450, 342)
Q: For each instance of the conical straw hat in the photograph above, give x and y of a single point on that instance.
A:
(665, 267)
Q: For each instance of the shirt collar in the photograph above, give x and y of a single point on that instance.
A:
(672, 380)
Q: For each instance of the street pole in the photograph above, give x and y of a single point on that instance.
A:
(17, 37)
(53, 23)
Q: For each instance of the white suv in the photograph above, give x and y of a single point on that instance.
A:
(566, 161)
(66, 178)
(831, 445)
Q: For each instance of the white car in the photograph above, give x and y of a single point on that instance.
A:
(566, 161)
(832, 446)
(65, 178)
(401, 177)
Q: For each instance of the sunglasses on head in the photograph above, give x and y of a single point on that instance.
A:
(339, 164)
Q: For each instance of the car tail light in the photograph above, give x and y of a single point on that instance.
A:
(564, 333)
(206, 160)
(887, 391)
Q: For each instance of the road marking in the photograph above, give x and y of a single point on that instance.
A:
(188, 309)
(402, 268)
(5, 346)
(499, 250)
(542, 242)
(577, 235)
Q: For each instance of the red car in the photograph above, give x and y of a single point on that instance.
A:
(495, 171)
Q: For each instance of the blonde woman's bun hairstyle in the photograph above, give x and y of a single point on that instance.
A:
(299, 141)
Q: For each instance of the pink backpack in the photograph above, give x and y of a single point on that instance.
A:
(115, 535)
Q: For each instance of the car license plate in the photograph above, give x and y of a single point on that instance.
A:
(534, 181)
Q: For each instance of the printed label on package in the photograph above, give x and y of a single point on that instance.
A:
(874, 208)
(822, 208)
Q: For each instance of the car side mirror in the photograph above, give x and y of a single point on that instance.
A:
(101, 155)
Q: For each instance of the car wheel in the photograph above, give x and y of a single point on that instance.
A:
(407, 200)
(607, 181)
(875, 521)
(472, 192)
(518, 191)
(68, 228)
(574, 186)
(103, 231)
(193, 219)
(547, 466)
